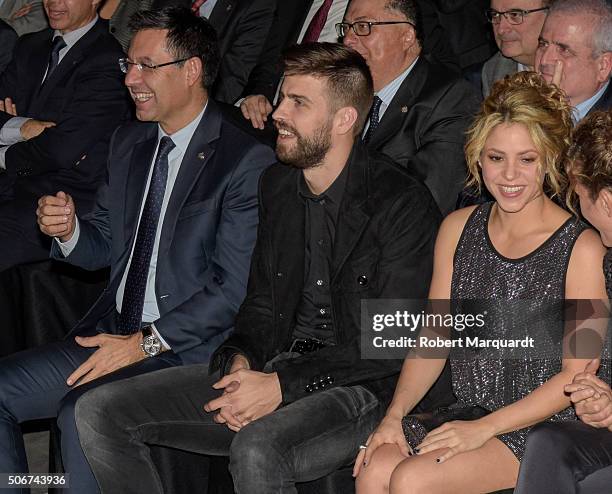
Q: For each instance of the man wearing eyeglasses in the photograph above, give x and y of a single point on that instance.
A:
(176, 220)
(421, 110)
(61, 97)
(516, 26)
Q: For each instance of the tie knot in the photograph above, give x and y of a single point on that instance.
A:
(58, 44)
(166, 144)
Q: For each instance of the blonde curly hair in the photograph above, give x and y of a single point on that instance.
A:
(542, 108)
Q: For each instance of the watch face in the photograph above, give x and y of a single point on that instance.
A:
(151, 345)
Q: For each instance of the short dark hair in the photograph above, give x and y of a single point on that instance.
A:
(188, 36)
(347, 74)
(412, 12)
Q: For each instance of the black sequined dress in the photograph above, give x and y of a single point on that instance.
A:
(513, 292)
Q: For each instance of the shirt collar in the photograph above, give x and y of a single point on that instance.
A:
(581, 109)
(333, 193)
(182, 137)
(387, 93)
(72, 37)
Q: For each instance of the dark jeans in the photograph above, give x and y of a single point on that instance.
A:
(33, 386)
(566, 457)
(300, 442)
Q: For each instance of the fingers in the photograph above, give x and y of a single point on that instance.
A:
(88, 341)
(580, 395)
(359, 462)
(256, 108)
(558, 73)
(227, 380)
(83, 369)
(55, 215)
(9, 107)
(217, 403)
(447, 455)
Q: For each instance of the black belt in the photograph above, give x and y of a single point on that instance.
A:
(306, 345)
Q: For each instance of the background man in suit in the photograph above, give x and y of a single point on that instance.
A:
(176, 221)
(296, 21)
(421, 110)
(516, 26)
(24, 16)
(297, 391)
(60, 100)
(575, 52)
(243, 27)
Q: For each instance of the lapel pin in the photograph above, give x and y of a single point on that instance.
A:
(201, 156)
(404, 109)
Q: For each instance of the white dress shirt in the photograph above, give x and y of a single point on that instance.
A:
(335, 15)
(207, 7)
(181, 139)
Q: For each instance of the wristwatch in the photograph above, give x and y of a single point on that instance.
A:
(150, 344)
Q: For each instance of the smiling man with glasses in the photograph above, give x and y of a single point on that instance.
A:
(516, 26)
(175, 218)
(421, 109)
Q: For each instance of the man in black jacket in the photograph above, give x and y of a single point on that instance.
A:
(337, 226)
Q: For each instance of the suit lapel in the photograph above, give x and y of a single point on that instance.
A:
(352, 217)
(39, 59)
(140, 164)
(221, 14)
(197, 156)
(605, 102)
(73, 57)
(401, 104)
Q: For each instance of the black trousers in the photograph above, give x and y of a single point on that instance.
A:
(566, 458)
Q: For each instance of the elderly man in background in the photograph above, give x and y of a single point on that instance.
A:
(516, 26)
(421, 110)
(575, 52)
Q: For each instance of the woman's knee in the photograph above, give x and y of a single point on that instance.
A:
(376, 475)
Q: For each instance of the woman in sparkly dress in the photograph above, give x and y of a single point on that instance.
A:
(521, 247)
(576, 457)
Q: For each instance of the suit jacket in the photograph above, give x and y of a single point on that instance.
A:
(383, 248)
(423, 129)
(206, 239)
(86, 98)
(494, 69)
(35, 21)
(605, 102)
(242, 27)
(8, 38)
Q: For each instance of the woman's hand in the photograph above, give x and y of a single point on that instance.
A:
(458, 436)
(388, 432)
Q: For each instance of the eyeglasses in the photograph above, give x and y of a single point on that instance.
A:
(363, 28)
(513, 16)
(125, 63)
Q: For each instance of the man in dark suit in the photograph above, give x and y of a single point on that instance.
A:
(581, 29)
(337, 225)
(243, 27)
(421, 110)
(60, 100)
(296, 21)
(176, 221)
